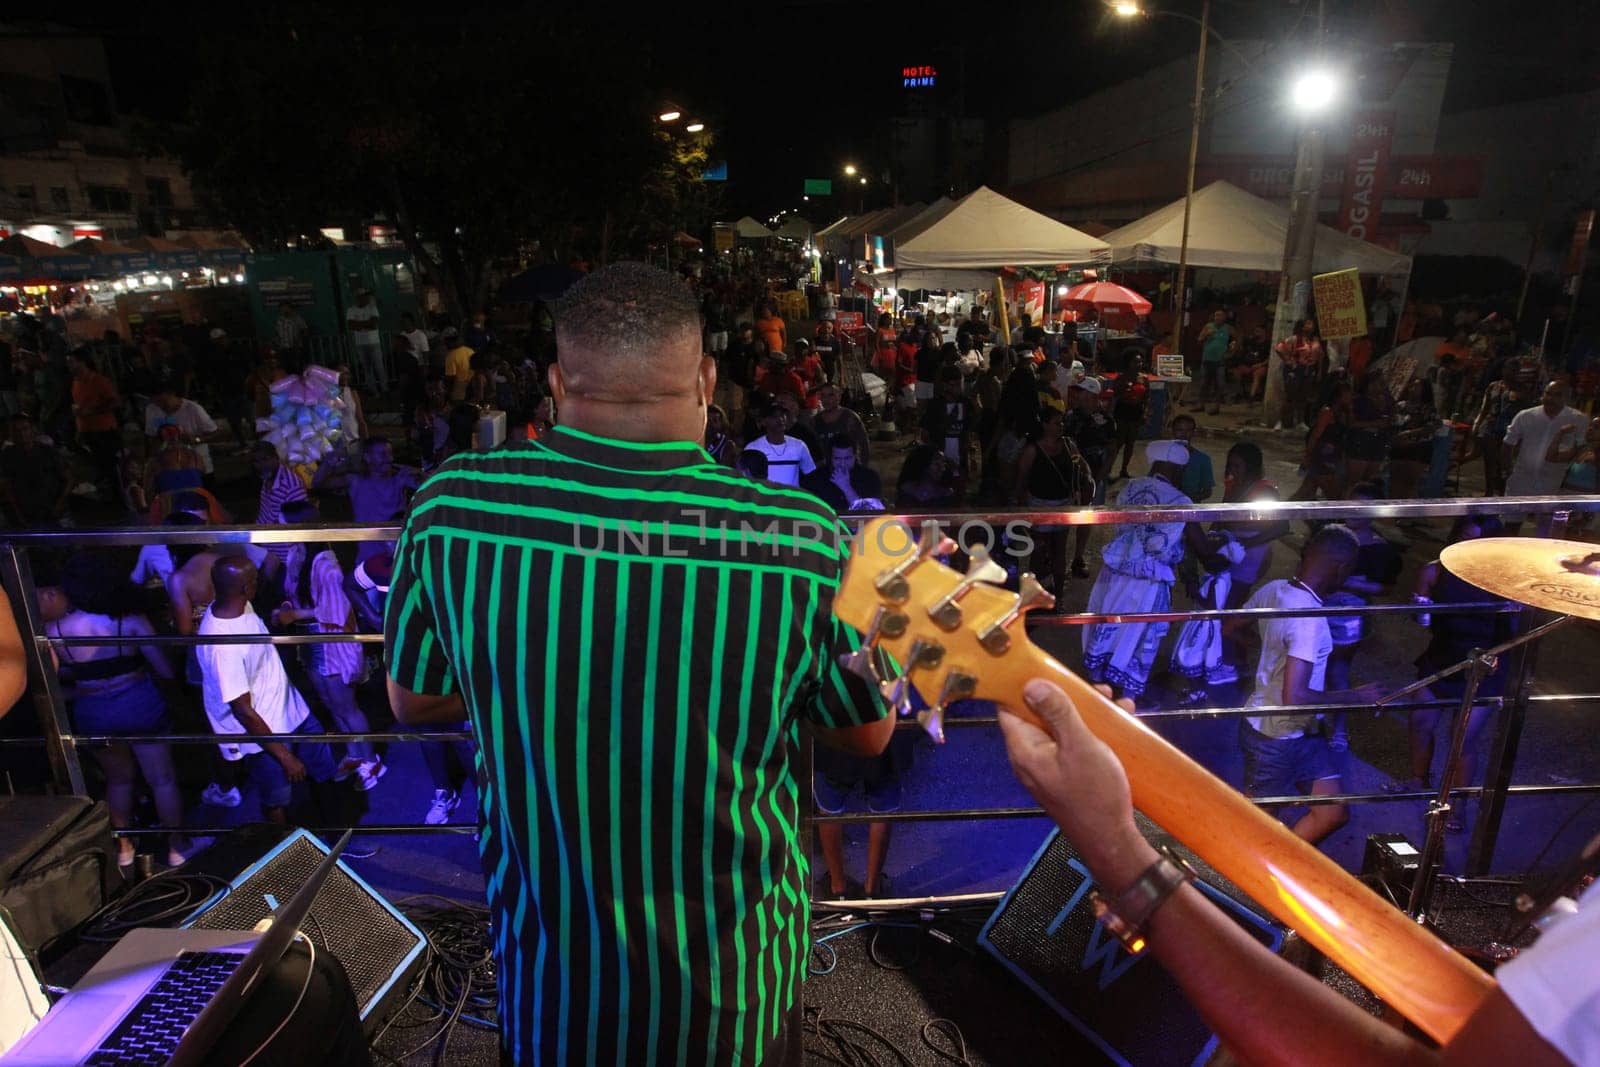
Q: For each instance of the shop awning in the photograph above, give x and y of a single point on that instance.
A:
(1235, 230)
(214, 251)
(40, 260)
(795, 228)
(169, 254)
(111, 257)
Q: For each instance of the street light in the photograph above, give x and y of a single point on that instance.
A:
(850, 170)
(670, 116)
(694, 127)
(1313, 91)
(1126, 9)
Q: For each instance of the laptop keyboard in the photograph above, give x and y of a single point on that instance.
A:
(150, 1032)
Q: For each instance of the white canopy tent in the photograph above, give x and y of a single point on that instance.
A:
(967, 241)
(794, 227)
(1235, 230)
(749, 228)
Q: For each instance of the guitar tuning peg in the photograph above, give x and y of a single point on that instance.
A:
(863, 662)
(957, 686)
(892, 583)
(981, 567)
(897, 694)
(1032, 595)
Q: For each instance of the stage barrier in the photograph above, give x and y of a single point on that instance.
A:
(61, 742)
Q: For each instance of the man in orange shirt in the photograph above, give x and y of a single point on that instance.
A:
(772, 329)
(95, 402)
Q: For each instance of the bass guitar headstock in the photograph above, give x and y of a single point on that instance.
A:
(956, 636)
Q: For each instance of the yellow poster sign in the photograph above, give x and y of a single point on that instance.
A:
(1341, 311)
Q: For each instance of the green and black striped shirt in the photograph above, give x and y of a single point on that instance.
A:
(636, 631)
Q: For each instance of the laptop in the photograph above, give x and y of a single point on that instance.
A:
(165, 996)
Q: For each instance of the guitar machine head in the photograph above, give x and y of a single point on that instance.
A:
(947, 630)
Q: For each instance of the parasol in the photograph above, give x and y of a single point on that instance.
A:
(1103, 297)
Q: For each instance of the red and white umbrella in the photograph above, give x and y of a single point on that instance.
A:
(1104, 297)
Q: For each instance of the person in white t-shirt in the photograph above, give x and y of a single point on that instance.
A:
(1528, 439)
(193, 422)
(787, 457)
(247, 691)
(362, 318)
(1283, 753)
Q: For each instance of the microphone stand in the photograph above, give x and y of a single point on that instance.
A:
(1479, 664)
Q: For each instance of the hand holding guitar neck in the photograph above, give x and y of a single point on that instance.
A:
(960, 637)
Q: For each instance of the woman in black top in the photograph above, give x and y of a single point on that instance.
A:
(1051, 473)
(1454, 636)
(840, 480)
(111, 693)
(1324, 458)
(926, 480)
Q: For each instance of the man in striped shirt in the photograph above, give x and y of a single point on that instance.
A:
(635, 632)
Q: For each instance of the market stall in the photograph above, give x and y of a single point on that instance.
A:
(1235, 230)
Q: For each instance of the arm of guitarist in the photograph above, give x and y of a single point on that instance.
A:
(1263, 1008)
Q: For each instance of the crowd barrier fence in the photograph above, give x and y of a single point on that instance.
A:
(62, 744)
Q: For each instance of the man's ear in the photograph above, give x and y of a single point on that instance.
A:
(708, 380)
(558, 384)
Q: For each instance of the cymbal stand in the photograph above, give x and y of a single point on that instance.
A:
(1479, 664)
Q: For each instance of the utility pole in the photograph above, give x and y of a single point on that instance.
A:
(1299, 249)
(1182, 305)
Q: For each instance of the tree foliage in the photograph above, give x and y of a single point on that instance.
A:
(476, 140)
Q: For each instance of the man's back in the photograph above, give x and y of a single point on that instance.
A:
(635, 632)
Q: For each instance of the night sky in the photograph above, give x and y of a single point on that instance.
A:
(795, 90)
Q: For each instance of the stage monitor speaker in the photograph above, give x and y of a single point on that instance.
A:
(379, 947)
(1045, 933)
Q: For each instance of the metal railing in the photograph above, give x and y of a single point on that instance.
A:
(62, 743)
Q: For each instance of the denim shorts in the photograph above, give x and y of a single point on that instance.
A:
(838, 774)
(1276, 766)
(266, 772)
(133, 710)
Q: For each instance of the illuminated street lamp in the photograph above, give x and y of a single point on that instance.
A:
(670, 116)
(850, 170)
(1313, 91)
(1126, 9)
(694, 127)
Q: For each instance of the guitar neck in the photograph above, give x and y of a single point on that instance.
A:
(1399, 960)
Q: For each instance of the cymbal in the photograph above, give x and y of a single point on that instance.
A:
(1561, 576)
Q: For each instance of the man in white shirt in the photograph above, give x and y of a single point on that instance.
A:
(1528, 439)
(193, 424)
(787, 457)
(1283, 753)
(362, 319)
(247, 691)
(417, 340)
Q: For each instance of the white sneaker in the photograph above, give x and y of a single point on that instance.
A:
(1222, 674)
(1278, 427)
(445, 801)
(222, 798)
(369, 772)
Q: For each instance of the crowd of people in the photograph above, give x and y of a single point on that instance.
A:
(965, 422)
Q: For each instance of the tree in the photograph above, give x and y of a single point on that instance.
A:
(473, 142)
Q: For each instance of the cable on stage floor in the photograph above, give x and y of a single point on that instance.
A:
(853, 1044)
(456, 984)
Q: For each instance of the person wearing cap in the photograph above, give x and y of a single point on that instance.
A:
(362, 319)
(1141, 565)
(1092, 428)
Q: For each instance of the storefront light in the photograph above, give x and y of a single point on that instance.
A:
(150, 279)
(239, 277)
(223, 279)
(166, 279)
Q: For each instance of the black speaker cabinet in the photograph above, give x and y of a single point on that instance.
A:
(379, 947)
(1045, 933)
